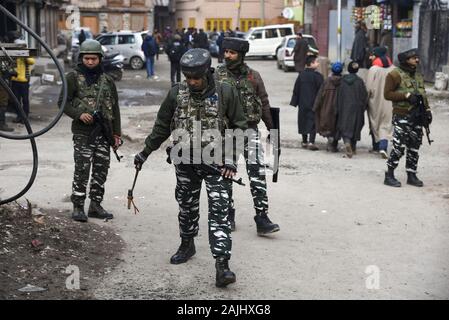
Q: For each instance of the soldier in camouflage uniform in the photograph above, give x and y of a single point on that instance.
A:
(91, 90)
(404, 86)
(199, 101)
(256, 106)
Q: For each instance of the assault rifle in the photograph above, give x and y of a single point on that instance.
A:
(102, 126)
(277, 143)
(213, 169)
(420, 116)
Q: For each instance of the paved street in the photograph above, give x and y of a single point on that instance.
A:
(343, 233)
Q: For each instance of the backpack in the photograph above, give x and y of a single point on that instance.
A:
(175, 52)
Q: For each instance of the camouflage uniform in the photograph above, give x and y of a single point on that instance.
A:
(404, 86)
(216, 108)
(406, 133)
(252, 107)
(88, 150)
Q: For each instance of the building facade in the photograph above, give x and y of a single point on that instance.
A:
(115, 15)
(41, 16)
(227, 14)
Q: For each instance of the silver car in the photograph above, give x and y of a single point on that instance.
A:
(126, 43)
(284, 53)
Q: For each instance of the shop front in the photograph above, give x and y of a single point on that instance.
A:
(391, 23)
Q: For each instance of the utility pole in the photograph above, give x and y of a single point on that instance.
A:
(262, 12)
(339, 30)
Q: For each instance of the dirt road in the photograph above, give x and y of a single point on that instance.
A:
(343, 233)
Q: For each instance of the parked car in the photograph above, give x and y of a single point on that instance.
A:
(284, 53)
(240, 34)
(263, 41)
(128, 44)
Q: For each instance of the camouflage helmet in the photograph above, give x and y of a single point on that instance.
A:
(195, 62)
(90, 46)
(236, 44)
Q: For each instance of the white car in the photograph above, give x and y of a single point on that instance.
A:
(263, 41)
(126, 43)
(284, 55)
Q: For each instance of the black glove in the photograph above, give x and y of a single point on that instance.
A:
(429, 116)
(413, 99)
(139, 160)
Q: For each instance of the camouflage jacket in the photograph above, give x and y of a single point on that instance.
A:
(218, 107)
(82, 99)
(249, 96)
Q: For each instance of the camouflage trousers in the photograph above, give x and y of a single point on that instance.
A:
(406, 135)
(188, 188)
(255, 167)
(87, 155)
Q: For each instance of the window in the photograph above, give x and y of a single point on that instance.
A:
(192, 22)
(126, 39)
(271, 33)
(107, 40)
(179, 23)
(246, 24)
(257, 34)
(219, 24)
(285, 32)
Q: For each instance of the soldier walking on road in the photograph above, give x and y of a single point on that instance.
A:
(256, 106)
(199, 104)
(404, 86)
(90, 90)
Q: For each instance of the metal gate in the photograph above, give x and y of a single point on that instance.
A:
(433, 38)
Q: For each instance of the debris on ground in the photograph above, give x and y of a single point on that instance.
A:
(44, 254)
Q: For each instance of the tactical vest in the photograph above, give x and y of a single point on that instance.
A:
(88, 95)
(252, 105)
(413, 85)
(206, 112)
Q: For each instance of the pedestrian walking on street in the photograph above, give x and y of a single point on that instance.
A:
(20, 84)
(199, 102)
(360, 44)
(300, 52)
(81, 37)
(175, 51)
(404, 86)
(256, 106)
(380, 110)
(351, 103)
(149, 48)
(325, 108)
(90, 90)
(307, 85)
(159, 41)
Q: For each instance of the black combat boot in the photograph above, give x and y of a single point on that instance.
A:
(224, 275)
(97, 211)
(390, 180)
(78, 213)
(231, 218)
(264, 224)
(413, 180)
(185, 251)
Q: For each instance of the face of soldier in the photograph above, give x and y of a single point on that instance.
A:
(413, 61)
(231, 55)
(195, 83)
(91, 60)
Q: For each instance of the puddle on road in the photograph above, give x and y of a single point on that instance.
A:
(135, 97)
